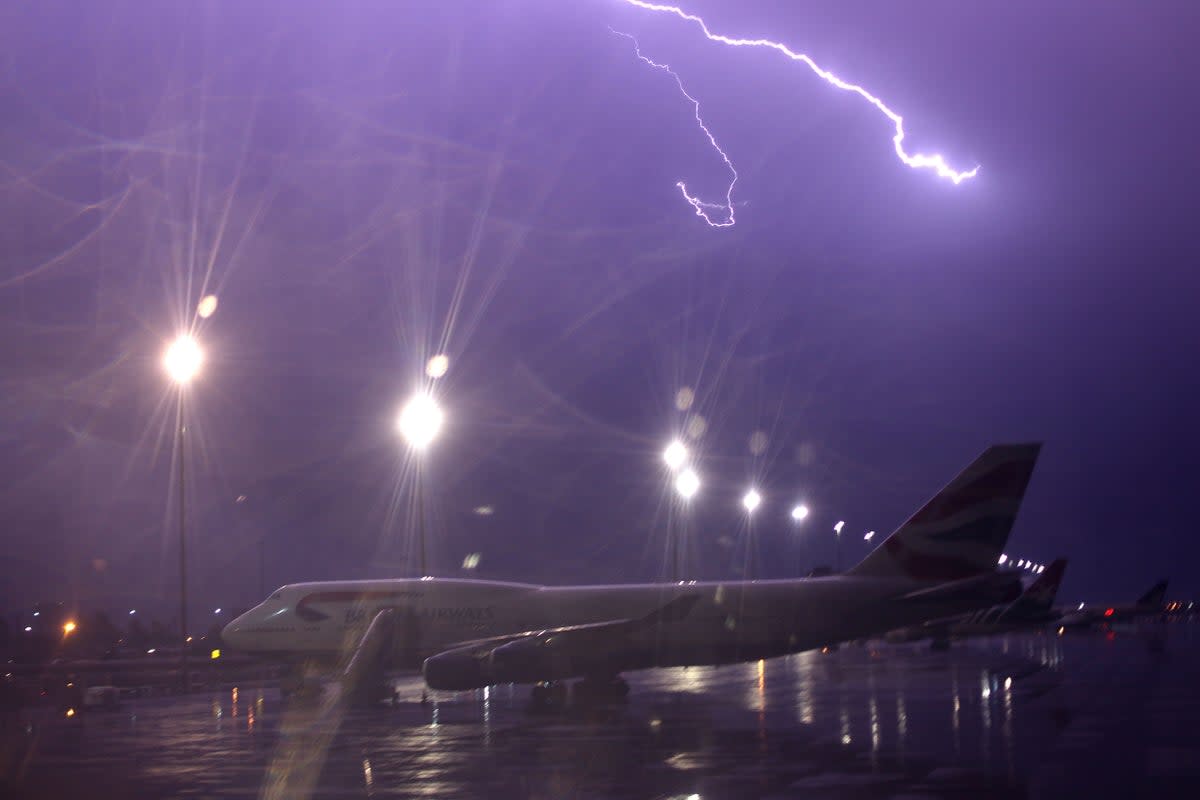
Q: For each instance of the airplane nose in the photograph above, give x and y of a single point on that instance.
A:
(233, 635)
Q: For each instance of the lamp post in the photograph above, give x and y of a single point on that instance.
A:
(419, 423)
(751, 500)
(799, 514)
(687, 483)
(675, 456)
(182, 361)
(837, 546)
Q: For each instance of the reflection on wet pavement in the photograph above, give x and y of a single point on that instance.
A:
(1012, 716)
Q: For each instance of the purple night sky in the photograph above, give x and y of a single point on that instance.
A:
(365, 185)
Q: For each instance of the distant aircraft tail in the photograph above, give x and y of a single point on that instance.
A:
(1155, 597)
(1039, 597)
(961, 532)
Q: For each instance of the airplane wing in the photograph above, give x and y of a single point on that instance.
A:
(548, 654)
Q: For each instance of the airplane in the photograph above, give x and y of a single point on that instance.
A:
(1033, 609)
(468, 634)
(1148, 604)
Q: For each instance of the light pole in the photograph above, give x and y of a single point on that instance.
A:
(687, 483)
(799, 514)
(837, 546)
(419, 423)
(182, 361)
(675, 457)
(751, 500)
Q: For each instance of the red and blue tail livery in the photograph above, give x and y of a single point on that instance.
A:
(962, 530)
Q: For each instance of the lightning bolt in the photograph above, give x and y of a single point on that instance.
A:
(934, 162)
(702, 208)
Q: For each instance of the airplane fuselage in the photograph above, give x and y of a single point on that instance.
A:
(724, 622)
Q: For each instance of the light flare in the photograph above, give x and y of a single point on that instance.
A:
(183, 359)
(437, 366)
(207, 306)
(675, 455)
(420, 421)
(935, 162)
(687, 484)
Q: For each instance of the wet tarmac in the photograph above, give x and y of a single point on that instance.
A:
(1090, 715)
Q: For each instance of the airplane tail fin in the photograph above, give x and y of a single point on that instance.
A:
(1156, 596)
(961, 532)
(1039, 597)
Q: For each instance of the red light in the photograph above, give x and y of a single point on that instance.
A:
(1108, 612)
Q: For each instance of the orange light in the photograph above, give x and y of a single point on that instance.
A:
(1108, 612)
(68, 628)
(70, 712)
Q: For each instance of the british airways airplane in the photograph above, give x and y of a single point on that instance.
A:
(465, 634)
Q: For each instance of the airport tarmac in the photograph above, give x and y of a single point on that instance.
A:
(1095, 715)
